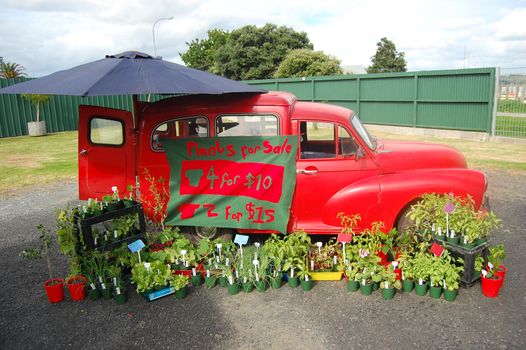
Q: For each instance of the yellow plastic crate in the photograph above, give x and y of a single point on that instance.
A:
(324, 276)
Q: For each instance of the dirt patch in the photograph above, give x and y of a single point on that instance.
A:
(24, 161)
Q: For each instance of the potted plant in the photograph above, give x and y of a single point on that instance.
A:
(37, 128)
(406, 263)
(306, 281)
(452, 279)
(493, 276)
(274, 249)
(54, 287)
(179, 283)
(422, 267)
(389, 282)
(351, 270)
(366, 282)
(296, 247)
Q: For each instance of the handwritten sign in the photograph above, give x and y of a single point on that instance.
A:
(237, 182)
(136, 246)
(344, 238)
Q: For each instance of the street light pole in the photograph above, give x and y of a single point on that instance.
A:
(153, 32)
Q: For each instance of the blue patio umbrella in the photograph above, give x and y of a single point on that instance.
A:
(130, 73)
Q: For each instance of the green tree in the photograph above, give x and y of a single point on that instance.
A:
(11, 70)
(387, 59)
(308, 63)
(201, 52)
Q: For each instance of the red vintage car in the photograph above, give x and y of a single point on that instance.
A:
(340, 167)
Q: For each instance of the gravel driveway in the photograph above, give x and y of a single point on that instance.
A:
(326, 318)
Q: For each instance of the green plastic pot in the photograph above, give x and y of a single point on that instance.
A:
(435, 291)
(121, 298)
(450, 295)
(440, 238)
(210, 282)
(247, 287)
(376, 285)
(353, 286)
(106, 293)
(294, 282)
(261, 286)
(408, 285)
(480, 241)
(388, 293)
(275, 282)
(366, 289)
(421, 289)
(467, 245)
(233, 289)
(181, 293)
(223, 281)
(453, 240)
(306, 285)
(93, 294)
(197, 280)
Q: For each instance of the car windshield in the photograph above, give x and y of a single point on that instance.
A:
(360, 129)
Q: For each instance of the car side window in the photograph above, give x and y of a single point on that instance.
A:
(346, 145)
(187, 127)
(247, 125)
(317, 140)
(104, 131)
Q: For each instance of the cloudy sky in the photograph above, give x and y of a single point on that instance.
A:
(49, 35)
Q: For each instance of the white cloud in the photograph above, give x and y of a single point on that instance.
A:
(50, 35)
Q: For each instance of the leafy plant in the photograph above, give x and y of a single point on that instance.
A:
(67, 237)
(44, 235)
(388, 278)
(178, 282)
(148, 276)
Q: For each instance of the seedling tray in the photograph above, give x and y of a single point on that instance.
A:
(468, 278)
(158, 293)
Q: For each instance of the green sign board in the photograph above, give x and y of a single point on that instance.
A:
(236, 182)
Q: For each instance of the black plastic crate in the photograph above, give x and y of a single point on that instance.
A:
(87, 234)
(468, 277)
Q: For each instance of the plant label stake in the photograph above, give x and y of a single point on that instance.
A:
(490, 265)
(312, 265)
(100, 279)
(219, 245)
(439, 232)
(193, 271)
(92, 286)
(237, 274)
(183, 253)
(257, 249)
(103, 286)
(147, 266)
(452, 234)
(227, 262)
(118, 290)
(115, 233)
(115, 192)
(135, 247)
(292, 272)
(95, 240)
(207, 273)
(319, 244)
(114, 281)
(465, 240)
(421, 282)
(395, 264)
(256, 264)
(230, 280)
(335, 260)
(484, 273)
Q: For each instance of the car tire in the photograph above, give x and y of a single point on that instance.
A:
(196, 233)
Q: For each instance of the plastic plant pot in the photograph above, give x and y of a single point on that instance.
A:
(353, 286)
(210, 282)
(450, 295)
(197, 280)
(453, 240)
(408, 285)
(491, 286)
(440, 237)
(435, 291)
(106, 293)
(77, 287)
(223, 281)
(181, 293)
(467, 245)
(421, 289)
(247, 287)
(366, 289)
(233, 289)
(376, 285)
(275, 283)
(501, 271)
(261, 286)
(54, 290)
(294, 282)
(388, 293)
(93, 294)
(121, 298)
(306, 285)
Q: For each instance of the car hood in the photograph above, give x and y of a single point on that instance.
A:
(396, 156)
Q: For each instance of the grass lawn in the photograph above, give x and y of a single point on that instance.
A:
(37, 160)
(511, 126)
(28, 161)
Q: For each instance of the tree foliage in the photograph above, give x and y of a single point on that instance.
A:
(201, 52)
(387, 58)
(11, 70)
(308, 63)
(245, 53)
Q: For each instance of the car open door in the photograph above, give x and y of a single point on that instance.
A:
(106, 151)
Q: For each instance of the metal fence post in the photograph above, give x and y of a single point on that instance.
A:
(495, 102)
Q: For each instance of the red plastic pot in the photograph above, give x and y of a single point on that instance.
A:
(77, 287)
(54, 290)
(491, 286)
(383, 257)
(501, 271)
(398, 274)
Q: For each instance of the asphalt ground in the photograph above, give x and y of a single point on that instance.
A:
(327, 317)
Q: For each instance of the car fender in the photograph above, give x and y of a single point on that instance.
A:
(400, 190)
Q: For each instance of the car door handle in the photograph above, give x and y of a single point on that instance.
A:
(310, 171)
(83, 152)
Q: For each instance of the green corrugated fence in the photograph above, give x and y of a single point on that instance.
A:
(449, 99)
